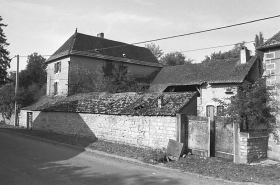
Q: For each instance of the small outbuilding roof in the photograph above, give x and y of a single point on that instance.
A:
(220, 71)
(120, 104)
(90, 46)
(271, 43)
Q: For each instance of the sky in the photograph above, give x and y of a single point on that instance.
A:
(42, 26)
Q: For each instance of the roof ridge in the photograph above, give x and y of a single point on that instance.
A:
(123, 43)
(73, 42)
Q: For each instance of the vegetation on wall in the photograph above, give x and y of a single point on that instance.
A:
(113, 79)
(252, 106)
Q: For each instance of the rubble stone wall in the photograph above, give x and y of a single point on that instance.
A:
(144, 131)
(252, 146)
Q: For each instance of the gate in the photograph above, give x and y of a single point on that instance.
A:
(29, 120)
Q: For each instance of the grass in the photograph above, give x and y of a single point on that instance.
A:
(212, 167)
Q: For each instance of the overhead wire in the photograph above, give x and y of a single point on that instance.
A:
(193, 33)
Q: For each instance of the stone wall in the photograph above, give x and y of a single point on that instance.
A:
(252, 146)
(144, 131)
(198, 140)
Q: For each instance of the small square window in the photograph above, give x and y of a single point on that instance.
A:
(220, 110)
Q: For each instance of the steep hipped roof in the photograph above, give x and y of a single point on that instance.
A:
(91, 46)
(271, 43)
(120, 103)
(221, 71)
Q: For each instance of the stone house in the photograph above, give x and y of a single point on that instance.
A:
(215, 80)
(147, 120)
(85, 52)
(271, 60)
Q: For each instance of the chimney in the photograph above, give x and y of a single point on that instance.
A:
(100, 35)
(160, 102)
(244, 55)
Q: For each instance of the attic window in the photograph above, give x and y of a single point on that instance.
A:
(228, 90)
(141, 106)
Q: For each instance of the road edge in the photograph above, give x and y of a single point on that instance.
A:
(101, 153)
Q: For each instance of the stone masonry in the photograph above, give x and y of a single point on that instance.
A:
(143, 131)
(252, 146)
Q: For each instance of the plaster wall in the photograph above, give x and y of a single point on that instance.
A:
(60, 77)
(209, 92)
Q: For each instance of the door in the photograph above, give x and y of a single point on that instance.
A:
(29, 120)
(210, 113)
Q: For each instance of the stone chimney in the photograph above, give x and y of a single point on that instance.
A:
(244, 55)
(160, 102)
(100, 35)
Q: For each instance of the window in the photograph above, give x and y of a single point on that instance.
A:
(220, 110)
(57, 67)
(55, 87)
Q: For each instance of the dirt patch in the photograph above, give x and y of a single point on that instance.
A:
(212, 167)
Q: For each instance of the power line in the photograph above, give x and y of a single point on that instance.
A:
(184, 51)
(192, 33)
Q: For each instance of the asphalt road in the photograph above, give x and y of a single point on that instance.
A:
(28, 161)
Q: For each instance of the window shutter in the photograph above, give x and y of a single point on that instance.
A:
(55, 68)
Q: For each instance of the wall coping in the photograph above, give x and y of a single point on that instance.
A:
(253, 134)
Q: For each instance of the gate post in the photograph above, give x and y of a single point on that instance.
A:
(236, 133)
(182, 129)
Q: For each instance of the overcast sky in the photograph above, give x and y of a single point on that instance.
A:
(42, 26)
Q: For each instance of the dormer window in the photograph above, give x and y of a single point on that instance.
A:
(57, 67)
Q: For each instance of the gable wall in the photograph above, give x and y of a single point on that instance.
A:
(60, 77)
(210, 92)
(96, 66)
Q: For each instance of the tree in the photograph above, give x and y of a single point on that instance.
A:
(114, 79)
(35, 70)
(7, 98)
(251, 106)
(174, 58)
(233, 53)
(4, 55)
(157, 52)
(259, 40)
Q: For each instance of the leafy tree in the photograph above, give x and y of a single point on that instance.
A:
(4, 55)
(35, 71)
(157, 52)
(7, 99)
(259, 40)
(233, 53)
(114, 80)
(251, 106)
(174, 58)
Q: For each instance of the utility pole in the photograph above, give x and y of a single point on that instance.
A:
(16, 90)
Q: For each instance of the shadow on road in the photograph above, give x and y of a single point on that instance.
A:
(35, 161)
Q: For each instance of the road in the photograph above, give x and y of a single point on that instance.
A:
(28, 161)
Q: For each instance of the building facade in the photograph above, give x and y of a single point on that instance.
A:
(82, 54)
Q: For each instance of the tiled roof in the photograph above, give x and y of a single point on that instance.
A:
(271, 43)
(120, 104)
(86, 45)
(222, 71)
